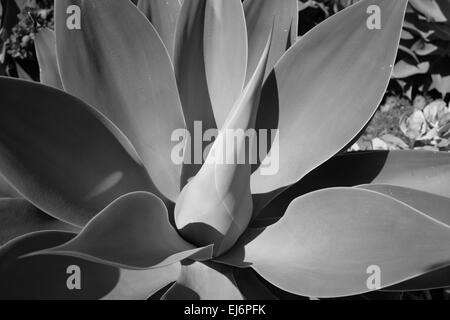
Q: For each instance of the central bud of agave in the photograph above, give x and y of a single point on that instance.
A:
(216, 206)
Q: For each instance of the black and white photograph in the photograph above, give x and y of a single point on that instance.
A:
(236, 151)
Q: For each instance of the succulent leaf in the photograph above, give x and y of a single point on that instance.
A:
(225, 50)
(341, 66)
(117, 63)
(216, 205)
(263, 15)
(201, 281)
(189, 64)
(45, 43)
(19, 217)
(46, 277)
(163, 14)
(434, 206)
(49, 155)
(328, 239)
(424, 171)
(132, 233)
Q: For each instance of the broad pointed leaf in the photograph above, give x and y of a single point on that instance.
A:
(117, 63)
(342, 66)
(189, 63)
(19, 217)
(142, 284)
(134, 233)
(225, 50)
(420, 170)
(216, 205)
(263, 15)
(47, 277)
(61, 154)
(329, 240)
(163, 14)
(202, 281)
(45, 43)
(434, 206)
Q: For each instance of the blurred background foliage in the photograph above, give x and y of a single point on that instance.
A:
(414, 114)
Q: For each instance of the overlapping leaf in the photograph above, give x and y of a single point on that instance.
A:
(47, 277)
(326, 242)
(19, 217)
(201, 281)
(425, 171)
(117, 63)
(163, 14)
(134, 233)
(320, 79)
(263, 15)
(61, 154)
(225, 51)
(216, 206)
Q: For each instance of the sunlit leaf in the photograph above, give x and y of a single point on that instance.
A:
(163, 14)
(6, 190)
(424, 171)
(340, 67)
(434, 206)
(430, 9)
(327, 242)
(134, 233)
(216, 205)
(19, 217)
(61, 154)
(225, 50)
(142, 284)
(403, 69)
(202, 281)
(117, 63)
(263, 15)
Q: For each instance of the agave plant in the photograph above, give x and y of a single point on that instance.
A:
(90, 185)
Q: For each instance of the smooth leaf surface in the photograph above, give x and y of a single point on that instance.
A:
(142, 284)
(46, 277)
(189, 64)
(225, 51)
(425, 171)
(436, 207)
(263, 15)
(328, 239)
(216, 206)
(19, 217)
(201, 281)
(438, 279)
(117, 63)
(250, 286)
(45, 43)
(163, 14)
(339, 67)
(134, 233)
(62, 155)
